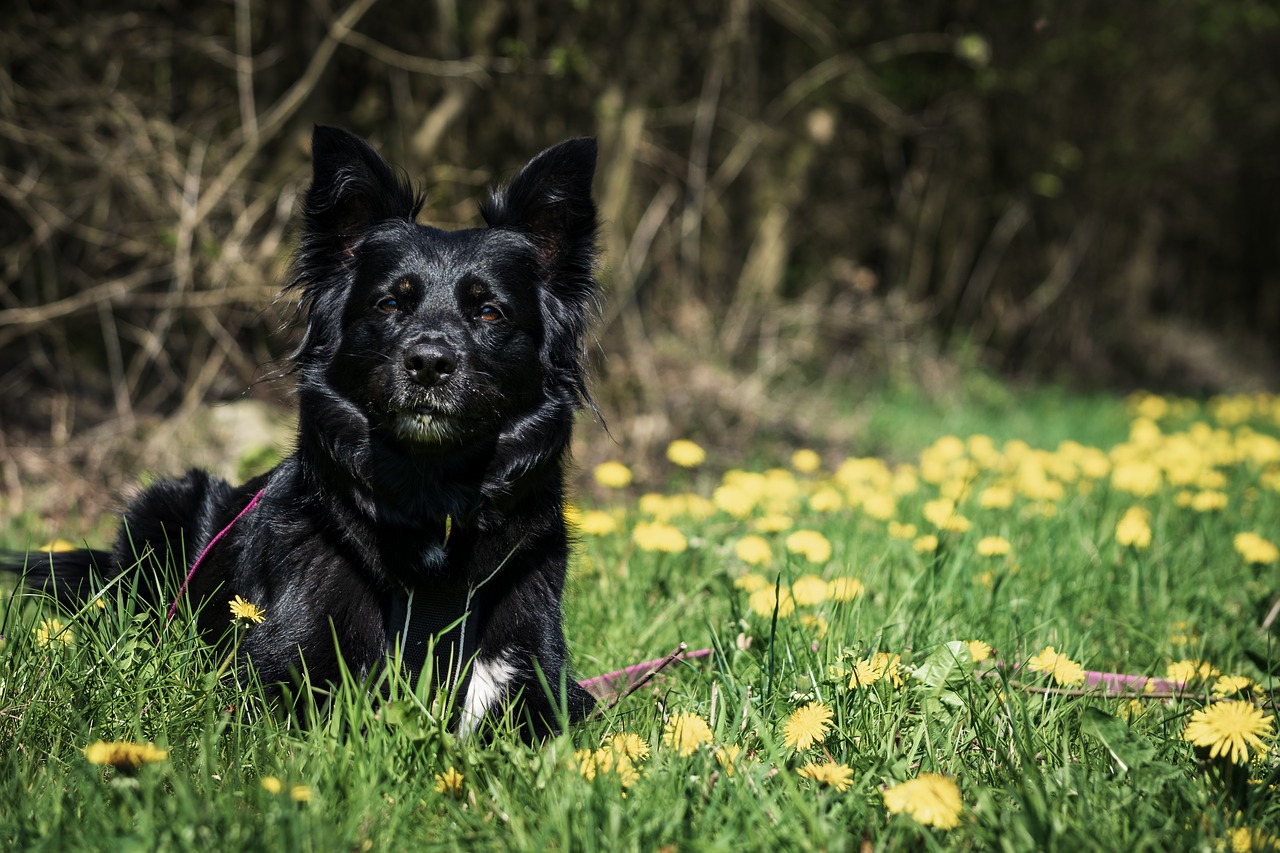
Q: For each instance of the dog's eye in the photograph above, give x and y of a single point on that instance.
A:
(489, 313)
(388, 304)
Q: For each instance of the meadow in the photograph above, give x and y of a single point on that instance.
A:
(1003, 634)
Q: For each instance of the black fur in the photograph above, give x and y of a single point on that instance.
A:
(438, 377)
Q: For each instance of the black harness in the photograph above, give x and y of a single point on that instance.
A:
(434, 619)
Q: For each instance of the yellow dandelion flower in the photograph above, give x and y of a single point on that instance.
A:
(993, 546)
(1061, 668)
(727, 757)
(772, 523)
(925, 544)
(889, 666)
(752, 582)
(941, 513)
(300, 793)
(685, 453)
(814, 623)
(983, 450)
(986, 579)
(898, 530)
(879, 505)
(1209, 501)
(659, 506)
(1247, 840)
(607, 759)
(978, 650)
(449, 783)
(996, 497)
(625, 769)
(844, 589)
(685, 732)
(806, 461)
(1134, 529)
(612, 475)
(809, 590)
(1230, 729)
(51, 633)
(1185, 671)
(659, 536)
(1133, 709)
(930, 798)
(1136, 477)
(1226, 685)
(271, 784)
(828, 773)
(246, 612)
(631, 745)
(57, 546)
(825, 500)
(811, 544)
(696, 506)
(733, 500)
(1182, 634)
(586, 759)
(938, 510)
(905, 480)
(806, 726)
(753, 550)
(763, 602)
(864, 674)
(597, 523)
(1255, 549)
(124, 755)
(956, 488)
(1149, 406)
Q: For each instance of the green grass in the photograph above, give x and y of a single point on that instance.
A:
(1038, 766)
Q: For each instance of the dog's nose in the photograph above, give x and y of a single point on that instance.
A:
(428, 364)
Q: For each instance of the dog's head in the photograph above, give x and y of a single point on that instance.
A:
(441, 338)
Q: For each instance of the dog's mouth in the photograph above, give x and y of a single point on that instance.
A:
(426, 424)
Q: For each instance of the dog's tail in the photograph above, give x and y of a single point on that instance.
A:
(69, 576)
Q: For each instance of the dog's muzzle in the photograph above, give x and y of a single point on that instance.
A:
(425, 426)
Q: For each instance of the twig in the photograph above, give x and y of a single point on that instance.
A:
(1076, 692)
(1271, 616)
(244, 70)
(641, 681)
(274, 118)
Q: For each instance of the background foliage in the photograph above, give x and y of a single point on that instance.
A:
(795, 192)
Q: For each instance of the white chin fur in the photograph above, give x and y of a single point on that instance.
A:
(428, 429)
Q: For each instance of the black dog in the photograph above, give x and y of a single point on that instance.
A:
(438, 378)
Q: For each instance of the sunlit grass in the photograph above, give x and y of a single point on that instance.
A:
(884, 634)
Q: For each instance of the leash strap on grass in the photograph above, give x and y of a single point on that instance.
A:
(173, 608)
(618, 685)
(621, 683)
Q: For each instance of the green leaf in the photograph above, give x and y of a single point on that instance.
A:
(405, 717)
(1131, 752)
(950, 664)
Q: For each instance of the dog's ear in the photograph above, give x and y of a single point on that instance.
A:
(352, 190)
(550, 201)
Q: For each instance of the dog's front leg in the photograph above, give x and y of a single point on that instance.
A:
(522, 665)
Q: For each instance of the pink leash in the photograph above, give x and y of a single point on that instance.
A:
(214, 541)
(621, 682)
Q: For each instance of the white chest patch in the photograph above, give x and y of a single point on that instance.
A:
(488, 684)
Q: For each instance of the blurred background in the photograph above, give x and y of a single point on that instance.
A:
(805, 203)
